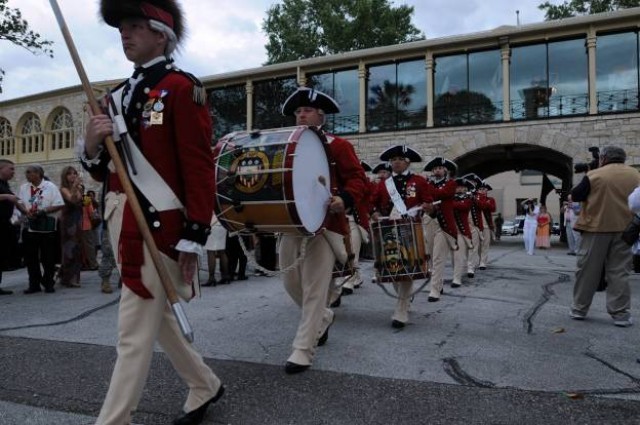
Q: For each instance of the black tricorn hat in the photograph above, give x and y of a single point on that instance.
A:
(365, 166)
(382, 166)
(402, 151)
(441, 161)
(485, 185)
(306, 96)
(168, 12)
(461, 181)
(474, 178)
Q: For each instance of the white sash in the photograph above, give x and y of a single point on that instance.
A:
(396, 198)
(147, 179)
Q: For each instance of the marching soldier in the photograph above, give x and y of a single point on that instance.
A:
(164, 129)
(462, 202)
(308, 283)
(477, 227)
(396, 196)
(445, 238)
(487, 206)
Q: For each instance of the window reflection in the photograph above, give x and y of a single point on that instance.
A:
(468, 88)
(617, 72)
(396, 96)
(268, 97)
(344, 88)
(549, 79)
(228, 108)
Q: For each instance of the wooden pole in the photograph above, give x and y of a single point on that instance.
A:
(121, 170)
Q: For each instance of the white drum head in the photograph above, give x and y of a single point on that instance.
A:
(310, 196)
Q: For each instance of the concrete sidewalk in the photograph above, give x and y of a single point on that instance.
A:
(499, 349)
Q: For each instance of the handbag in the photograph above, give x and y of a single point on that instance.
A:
(632, 233)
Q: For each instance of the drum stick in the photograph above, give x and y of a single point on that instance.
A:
(170, 291)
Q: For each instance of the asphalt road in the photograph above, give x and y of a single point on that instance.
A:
(499, 350)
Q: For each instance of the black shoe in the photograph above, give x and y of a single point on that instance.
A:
(5, 292)
(337, 302)
(49, 290)
(433, 299)
(470, 275)
(196, 416)
(325, 336)
(347, 291)
(397, 324)
(210, 282)
(224, 281)
(242, 277)
(482, 268)
(31, 290)
(293, 368)
(455, 285)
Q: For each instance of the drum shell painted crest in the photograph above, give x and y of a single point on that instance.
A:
(399, 249)
(255, 187)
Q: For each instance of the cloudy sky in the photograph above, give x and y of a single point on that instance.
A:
(224, 36)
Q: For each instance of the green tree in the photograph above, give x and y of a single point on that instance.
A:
(16, 30)
(299, 29)
(584, 7)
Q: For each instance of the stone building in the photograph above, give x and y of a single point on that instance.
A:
(510, 104)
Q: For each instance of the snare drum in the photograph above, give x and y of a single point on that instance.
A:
(273, 181)
(398, 249)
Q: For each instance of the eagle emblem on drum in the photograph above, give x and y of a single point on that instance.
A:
(250, 170)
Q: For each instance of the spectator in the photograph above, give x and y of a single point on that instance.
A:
(89, 213)
(42, 200)
(571, 211)
(499, 221)
(216, 250)
(543, 231)
(71, 227)
(531, 210)
(604, 194)
(107, 263)
(266, 252)
(8, 202)
(236, 257)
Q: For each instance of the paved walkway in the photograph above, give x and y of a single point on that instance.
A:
(501, 349)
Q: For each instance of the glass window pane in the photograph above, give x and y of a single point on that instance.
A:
(411, 94)
(485, 86)
(343, 86)
(228, 107)
(268, 97)
(529, 89)
(617, 72)
(450, 90)
(568, 78)
(381, 107)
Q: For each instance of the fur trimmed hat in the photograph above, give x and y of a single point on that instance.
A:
(167, 12)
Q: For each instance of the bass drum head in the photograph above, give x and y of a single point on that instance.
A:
(311, 197)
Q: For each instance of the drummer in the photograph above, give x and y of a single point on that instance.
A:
(308, 282)
(394, 197)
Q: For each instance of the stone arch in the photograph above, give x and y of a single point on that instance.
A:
(495, 159)
(7, 140)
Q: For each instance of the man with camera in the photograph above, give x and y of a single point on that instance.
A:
(604, 192)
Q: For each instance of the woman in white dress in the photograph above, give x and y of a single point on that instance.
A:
(531, 211)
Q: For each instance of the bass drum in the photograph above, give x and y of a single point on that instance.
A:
(273, 181)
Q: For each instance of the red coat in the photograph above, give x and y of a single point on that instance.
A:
(486, 205)
(348, 181)
(414, 190)
(179, 150)
(444, 191)
(461, 207)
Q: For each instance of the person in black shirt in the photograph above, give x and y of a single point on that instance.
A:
(8, 201)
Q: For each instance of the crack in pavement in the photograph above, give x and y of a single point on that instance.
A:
(64, 322)
(547, 292)
(454, 370)
(633, 379)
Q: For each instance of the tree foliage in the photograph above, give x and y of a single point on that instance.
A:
(299, 29)
(584, 7)
(15, 29)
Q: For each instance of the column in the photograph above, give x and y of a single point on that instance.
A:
(249, 91)
(363, 75)
(505, 56)
(430, 95)
(591, 54)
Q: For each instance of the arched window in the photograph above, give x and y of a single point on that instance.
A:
(31, 135)
(61, 130)
(7, 141)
